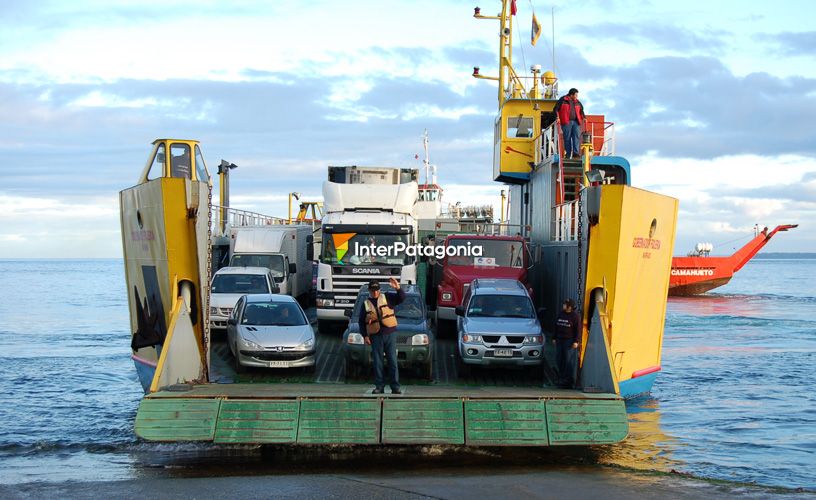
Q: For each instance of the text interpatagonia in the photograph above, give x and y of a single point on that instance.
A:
(399, 248)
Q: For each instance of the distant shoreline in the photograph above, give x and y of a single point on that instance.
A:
(785, 255)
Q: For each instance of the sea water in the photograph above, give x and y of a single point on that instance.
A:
(735, 399)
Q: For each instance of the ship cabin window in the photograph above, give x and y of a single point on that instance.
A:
(180, 161)
(201, 167)
(157, 167)
(520, 127)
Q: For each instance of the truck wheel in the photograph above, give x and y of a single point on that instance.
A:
(325, 327)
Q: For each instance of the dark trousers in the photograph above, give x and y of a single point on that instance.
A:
(572, 138)
(565, 358)
(385, 343)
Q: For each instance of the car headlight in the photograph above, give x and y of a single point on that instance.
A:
(306, 345)
(533, 339)
(251, 344)
(447, 296)
(420, 339)
(355, 338)
(325, 302)
(472, 339)
(213, 310)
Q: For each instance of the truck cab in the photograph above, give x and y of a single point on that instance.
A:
(502, 257)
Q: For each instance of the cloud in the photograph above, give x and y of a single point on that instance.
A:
(661, 35)
(801, 43)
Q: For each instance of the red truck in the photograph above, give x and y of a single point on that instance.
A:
(501, 257)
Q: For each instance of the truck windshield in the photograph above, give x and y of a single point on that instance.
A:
(239, 283)
(500, 306)
(272, 262)
(358, 249)
(272, 314)
(495, 253)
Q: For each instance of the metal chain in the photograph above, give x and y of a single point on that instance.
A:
(206, 286)
(580, 287)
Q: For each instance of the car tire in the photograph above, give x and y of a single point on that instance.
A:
(326, 327)
(463, 370)
(239, 368)
(351, 370)
(427, 370)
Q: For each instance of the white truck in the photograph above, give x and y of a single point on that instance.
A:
(368, 223)
(287, 251)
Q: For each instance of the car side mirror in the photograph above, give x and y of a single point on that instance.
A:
(347, 313)
(460, 311)
(232, 321)
(292, 268)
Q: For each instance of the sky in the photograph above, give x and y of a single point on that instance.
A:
(713, 103)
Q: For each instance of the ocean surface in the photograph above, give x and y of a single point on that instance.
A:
(735, 401)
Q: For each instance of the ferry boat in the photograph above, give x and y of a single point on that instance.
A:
(698, 272)
(600, 241)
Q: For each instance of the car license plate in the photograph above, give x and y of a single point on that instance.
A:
(279, 364)
(503, 353)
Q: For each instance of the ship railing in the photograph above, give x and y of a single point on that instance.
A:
(482, 228)
(605, 130)
(565, 227)
(241, 218)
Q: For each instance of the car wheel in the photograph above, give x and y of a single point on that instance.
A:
(352, 370)
(463, 370)
(239, 368)
(427, 370)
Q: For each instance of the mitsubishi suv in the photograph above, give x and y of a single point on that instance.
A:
(497, 325)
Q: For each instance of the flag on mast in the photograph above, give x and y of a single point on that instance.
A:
(535, 31)
(513, 9)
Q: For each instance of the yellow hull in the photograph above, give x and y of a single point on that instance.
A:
(630, 252)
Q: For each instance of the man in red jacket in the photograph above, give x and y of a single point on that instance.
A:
(571, 115)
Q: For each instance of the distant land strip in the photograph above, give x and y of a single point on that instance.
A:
(785, 255)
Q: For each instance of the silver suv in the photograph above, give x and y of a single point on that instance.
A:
(497, 325)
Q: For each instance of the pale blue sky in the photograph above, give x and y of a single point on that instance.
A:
(713, 103)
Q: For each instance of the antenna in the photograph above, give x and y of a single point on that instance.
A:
(427, 160)
(552, 16)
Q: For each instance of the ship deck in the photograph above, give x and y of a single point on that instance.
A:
(487, 407)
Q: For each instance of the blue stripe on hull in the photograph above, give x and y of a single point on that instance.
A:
(145, 373)
(637, 386)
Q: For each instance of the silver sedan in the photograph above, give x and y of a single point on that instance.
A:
(270, 331)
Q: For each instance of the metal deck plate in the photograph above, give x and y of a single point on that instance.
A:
(177, 419)
(257, 421)
(501, 423)
(348, 421)
(585, 421)
(418, 421)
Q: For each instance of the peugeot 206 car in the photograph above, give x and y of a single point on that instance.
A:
(270, 331)
(415, 340)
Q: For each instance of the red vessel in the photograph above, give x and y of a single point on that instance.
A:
(699, 273)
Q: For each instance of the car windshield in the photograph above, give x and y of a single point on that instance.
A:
(239, 283)
(411, 308)
(272, 262)
(495, 253)
(500, 306)
(272, 314)
(357, 250)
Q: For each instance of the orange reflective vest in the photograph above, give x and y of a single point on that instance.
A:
(386, 317)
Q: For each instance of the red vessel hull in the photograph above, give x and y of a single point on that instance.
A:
(695, 275)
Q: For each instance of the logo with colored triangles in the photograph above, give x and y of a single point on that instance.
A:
(341, 241)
